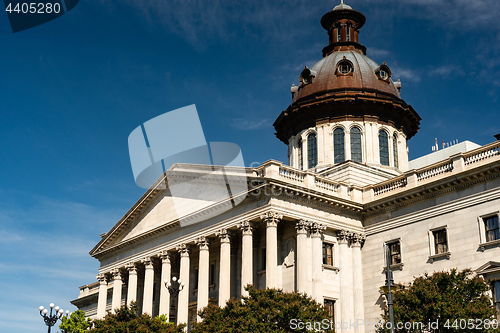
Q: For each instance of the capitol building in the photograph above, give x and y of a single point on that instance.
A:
(319, 224)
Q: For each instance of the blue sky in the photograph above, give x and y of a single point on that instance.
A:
(73, 89)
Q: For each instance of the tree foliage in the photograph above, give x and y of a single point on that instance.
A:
(127, 320)
(444, 297)
(76, 323)
(264, 310)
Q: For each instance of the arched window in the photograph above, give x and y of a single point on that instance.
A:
(301, 161)
(383, 144)
(356, 151)
(312, 151)
(338, 145)
(395, 149)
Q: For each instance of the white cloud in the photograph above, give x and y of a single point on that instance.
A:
(447, 71)
(251, 124)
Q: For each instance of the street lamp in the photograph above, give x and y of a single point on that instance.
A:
(175, 286)
(51, 319)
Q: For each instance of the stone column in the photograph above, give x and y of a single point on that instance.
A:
(301, 251)
(182, 308)
(225, 266)
(246, 255)
(203, 272)
(103, 296)
(346, 305)
(357, 242)
(165, 276)
(116, 303)
(271, 219)
(147, 300)
(132, 283)
(317, 261)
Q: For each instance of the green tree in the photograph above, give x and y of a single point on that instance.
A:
(456, 301)
(127, 320)
(264, 310)
(76, 323)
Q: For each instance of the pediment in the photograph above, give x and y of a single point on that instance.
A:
(191, 196)
(489, 268)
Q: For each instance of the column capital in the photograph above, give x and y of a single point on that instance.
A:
(343, 236)
(302, 226)
(165, 256)
(101, 277)
(117, 274)
(246, 227)
(184, 249)
(203, 243)
(148, 262)
(224, 235)
(131, 267)
(317, 229)
(357, 239)
(271, 218)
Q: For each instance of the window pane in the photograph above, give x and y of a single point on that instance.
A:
(263, 264)
(301, 161)
(395, 253)
(330, 305)
(395, 148)
(338, 145)
(356, 154)
(383, 147)
(492, 229)
(312, 151)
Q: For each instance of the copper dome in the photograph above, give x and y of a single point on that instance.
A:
(345, 85)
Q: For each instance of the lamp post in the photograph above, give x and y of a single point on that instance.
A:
(175, 286)
(51, 319)
(389, 282)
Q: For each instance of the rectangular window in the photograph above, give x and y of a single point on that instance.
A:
(263, 262)
(339, 37)
(330, 305)
(440, 241)
(196, 278)
(348, 33)
(395, 252)
(496, 295)
(491, 228)
(212, 274)
(327, 254)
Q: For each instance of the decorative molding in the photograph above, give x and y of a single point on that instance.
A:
(483, 246)
(433, 258)
(117, 274)
(165, 256)
(357, 239)
(101, 278)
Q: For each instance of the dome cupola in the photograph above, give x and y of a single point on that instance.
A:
(347, 107)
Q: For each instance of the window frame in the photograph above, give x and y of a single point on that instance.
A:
(332, 254)
(389, 243)
(353, 143)
(495, 290)
(484, 241)
(385, 148)
(338, 145)
(331, 308)
(395, 150)
(312, 150)
(433, 254)
(300, 146)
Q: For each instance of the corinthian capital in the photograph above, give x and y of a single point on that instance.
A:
(317, 229)
(343, 236)
(224, 235)
(246, 227)
(357, 239)
(271, 218)
(202, 242)
(183, 249)
(302, 226)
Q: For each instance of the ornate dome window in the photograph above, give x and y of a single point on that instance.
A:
(307, 76)
(383, 72)
(344, 67)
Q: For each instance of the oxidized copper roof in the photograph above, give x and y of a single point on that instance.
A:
(363, 77)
